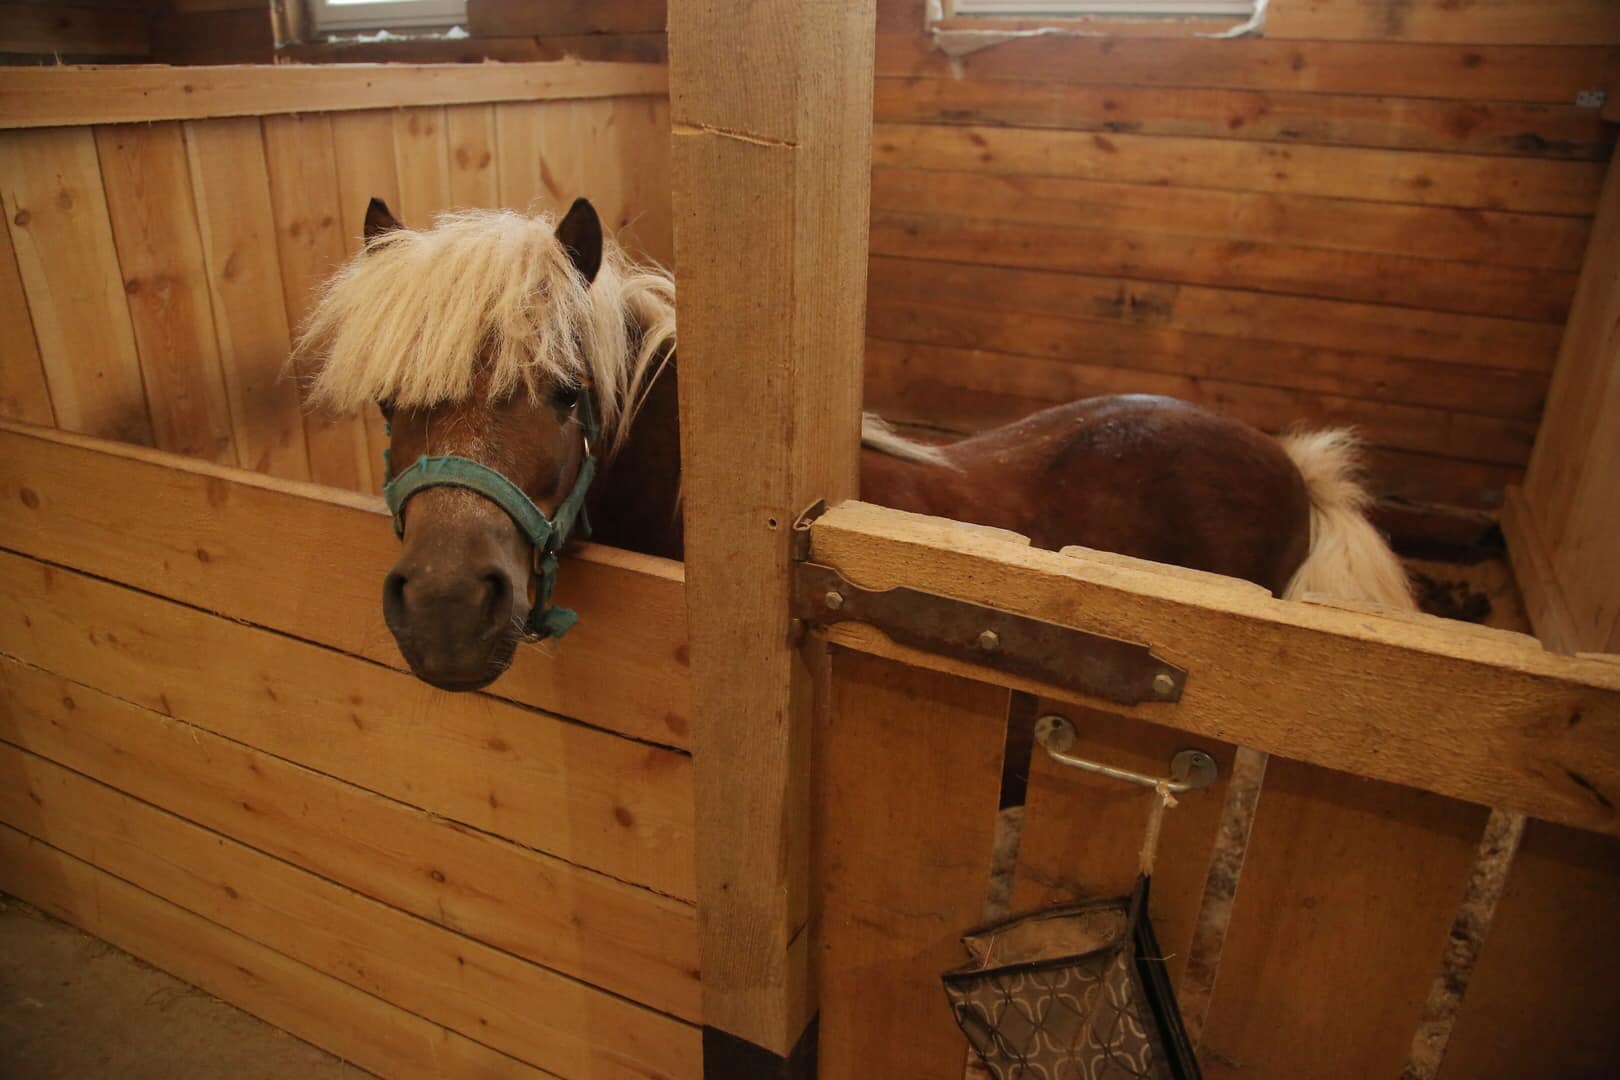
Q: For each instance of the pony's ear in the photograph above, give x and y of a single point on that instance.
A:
(379, 220)
(580, 233)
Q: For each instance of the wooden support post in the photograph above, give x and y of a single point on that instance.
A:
(771, 119)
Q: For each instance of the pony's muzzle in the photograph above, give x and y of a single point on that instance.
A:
(455, 624)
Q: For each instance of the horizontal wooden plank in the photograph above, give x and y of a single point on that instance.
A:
(623, 48)
(595, 928)
(1510, 22)
(1471, 340)
(1273, 408)
(1536, 241)
(1539, 295)
(1482, 716)
(497, 17)
(1399, 176)
(52, 97)
(1283, 116)
(65, 28)
(141, 518)
(595, 799)
(1458, 72)
(506, 1003)
(328, 1012)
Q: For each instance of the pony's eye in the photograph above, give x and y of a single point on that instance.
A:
(565, 396)
(386, 406)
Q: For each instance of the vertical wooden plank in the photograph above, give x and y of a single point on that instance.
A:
(1544, 996)
(908, 774)
(422, 160)
(470, 130)
(1059, 859)
(537, 159)
(56, 210)
(24, 394)
(363, 142)
(603, 159)
(309, 245)
(229, 182)
(1348, 893)
(154, 222)
(777, 101)
(643, 130)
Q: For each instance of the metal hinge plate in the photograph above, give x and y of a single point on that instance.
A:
(1090, 664)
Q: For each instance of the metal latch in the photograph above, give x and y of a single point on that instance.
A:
(1092, 664)
(1190, 770)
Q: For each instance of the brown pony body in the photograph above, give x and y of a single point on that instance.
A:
(1151, 477)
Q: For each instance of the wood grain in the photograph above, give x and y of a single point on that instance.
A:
(1483, 716)
(304, 197)
(894, 900)
(85, 30)
(472, 146)
(1548, 22)
(230, 183)
(299, 999)
(422, 163)
(508, 1004)
(141, 517)
(608, 933)
(47, 97)
(538, 160)
(24, 393)
(772, 291)
(56, 210)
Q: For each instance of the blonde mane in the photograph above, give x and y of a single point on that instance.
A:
(419, 316)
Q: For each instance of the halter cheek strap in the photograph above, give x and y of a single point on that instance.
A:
(546, 535)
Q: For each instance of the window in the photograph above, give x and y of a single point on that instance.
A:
(352, 15)
(1059, 8)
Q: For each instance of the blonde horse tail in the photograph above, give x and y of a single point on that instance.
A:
(1348, 559)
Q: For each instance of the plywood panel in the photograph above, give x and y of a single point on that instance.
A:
(230, 183)
(587, 796)
(56, 209)
(304, 194)
(299, 999)
(472, 145)
(143, 519)
(24, 394)
(611, 934)
(535, 1015)
(895, 899)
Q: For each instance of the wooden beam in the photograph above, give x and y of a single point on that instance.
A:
(56, 97)
(771, 109)
(1480, 715)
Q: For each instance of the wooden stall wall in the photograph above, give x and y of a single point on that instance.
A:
(210, 758)
(1374, 214)
(76, 31)
(154, 273)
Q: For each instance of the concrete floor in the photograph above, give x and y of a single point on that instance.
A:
(72, 1006)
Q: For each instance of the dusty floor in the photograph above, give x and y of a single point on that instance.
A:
(75, 1007)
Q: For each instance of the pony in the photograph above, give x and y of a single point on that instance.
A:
(534, 352)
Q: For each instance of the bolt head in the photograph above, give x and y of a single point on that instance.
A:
(989, 641)
(834, 600)
(1163, 685)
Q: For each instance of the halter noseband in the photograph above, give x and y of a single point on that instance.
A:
(547, 535)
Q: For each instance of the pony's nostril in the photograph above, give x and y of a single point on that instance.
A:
(497, 597)
(394, 596)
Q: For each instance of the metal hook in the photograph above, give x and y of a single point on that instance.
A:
(1190, 770)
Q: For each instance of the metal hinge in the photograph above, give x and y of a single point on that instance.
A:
(1091, 664)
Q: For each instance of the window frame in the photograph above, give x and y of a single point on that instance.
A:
(1078, 9)
(327, 17)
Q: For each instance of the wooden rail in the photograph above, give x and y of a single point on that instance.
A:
(59, 97)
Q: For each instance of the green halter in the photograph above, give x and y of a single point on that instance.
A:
(547, 535)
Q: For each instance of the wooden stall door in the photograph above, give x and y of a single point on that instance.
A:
(1391, 737)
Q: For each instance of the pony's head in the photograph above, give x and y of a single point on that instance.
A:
(490, 341)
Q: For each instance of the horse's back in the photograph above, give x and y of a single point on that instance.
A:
(1152, 477)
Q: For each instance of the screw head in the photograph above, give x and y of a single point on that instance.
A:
(989, 641)
(834, 600)
(1163, 684)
